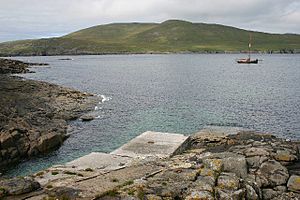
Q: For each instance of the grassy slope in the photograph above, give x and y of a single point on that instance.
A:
(169, 36)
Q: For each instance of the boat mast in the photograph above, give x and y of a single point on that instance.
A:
(249, 45)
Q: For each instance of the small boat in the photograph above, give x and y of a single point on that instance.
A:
(248, 60)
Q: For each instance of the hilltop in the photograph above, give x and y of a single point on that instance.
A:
(172, 36)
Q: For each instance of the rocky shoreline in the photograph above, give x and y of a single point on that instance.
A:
(34, 114)
(210, 165)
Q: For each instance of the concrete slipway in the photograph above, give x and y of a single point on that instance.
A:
(147, 145)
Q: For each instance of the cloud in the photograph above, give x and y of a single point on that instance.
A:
(21, 19)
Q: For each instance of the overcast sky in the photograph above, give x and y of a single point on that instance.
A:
(21, 19)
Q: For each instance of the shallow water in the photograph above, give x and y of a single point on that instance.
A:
(172, 93)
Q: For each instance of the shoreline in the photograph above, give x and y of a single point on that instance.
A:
(156, 53)
(34, 114)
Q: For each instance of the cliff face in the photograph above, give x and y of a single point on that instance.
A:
(33, 114)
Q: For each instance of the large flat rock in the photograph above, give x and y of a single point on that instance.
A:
(152, 144)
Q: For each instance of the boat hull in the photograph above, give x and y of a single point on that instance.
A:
(247, 61)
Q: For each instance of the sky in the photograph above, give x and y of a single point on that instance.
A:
(26, 19)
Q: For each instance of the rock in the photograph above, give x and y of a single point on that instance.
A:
(34, 114)
(223, 194)
(228, 181)
(269, 194)
(87, 118)
(251, 193)
(227, 162)
(208, 179)
(206, 172)
(214, 164)
(256, 151)
(203, 185)
(280, 188)
(294, 183)
(273, 172)
(256, 161)
(236, 164)
(198, 195)
(6, 141)
(64, 193)
(287, 196)
(49, 141)
(153, 197)
(285, 156)
(19, 185)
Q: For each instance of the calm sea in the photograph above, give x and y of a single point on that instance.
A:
(171, 93)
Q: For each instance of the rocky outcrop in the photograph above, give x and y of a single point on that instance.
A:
(33, 114)
(243, 166)
(8, 66)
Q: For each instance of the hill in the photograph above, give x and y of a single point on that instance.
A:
(169, 36)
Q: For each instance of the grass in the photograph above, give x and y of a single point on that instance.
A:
(169, 36)
(72, 173)
(54, 173)
(49, 186)
(40, 174)
(89, 170)
(110, 193)
(129, 182)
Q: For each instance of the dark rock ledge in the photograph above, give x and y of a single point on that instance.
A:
(34, 114)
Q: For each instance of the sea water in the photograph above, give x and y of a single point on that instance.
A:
(178, 93)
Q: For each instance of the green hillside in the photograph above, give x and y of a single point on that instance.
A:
(169, 36)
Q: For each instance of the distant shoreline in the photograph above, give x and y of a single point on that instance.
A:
(149, 53)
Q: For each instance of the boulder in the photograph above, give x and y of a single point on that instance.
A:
(203, 185)
(270, 193)
(273, 172)
(251, 193)
(6, 141)
(256, 151)
(256, 161)
(228, 181)
(64, 193)
(223, 194)
(213, 164)
(19, 185)
(228, 162)
(285, 156)
(49, 141)
(294, 183)
(87, 117)
(236, 164)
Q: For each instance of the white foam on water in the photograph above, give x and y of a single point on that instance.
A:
(103, 98)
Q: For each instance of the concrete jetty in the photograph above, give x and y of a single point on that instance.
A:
(152, 144)
(148, 144)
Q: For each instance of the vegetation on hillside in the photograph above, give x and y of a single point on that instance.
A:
(167, 37)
